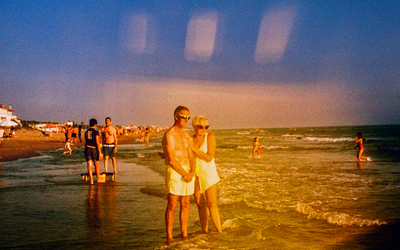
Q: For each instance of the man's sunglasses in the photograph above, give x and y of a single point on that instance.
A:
(201, 127)
(184, 117)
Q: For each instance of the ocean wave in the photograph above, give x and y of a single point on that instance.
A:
(328, 139)
(335, 218)
(264, 147)
(294, 136)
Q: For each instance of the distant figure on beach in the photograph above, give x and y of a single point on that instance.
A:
(142, 134)
(67, 147)
(181, 168)
(359, 141)
(257, 151)
(204, 146)
(110, 143)
(93, 152)
(74, 132)
(68, 132)
(1, 136)
(80, 133)
(12, 131)
(147, 136)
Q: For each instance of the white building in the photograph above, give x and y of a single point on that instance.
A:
(6, 114)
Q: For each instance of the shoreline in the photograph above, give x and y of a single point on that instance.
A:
(27, 143)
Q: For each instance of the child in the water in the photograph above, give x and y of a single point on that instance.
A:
(360, 147)
(257, 151)
(67, 146)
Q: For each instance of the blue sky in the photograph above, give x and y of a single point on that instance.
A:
(242, 64)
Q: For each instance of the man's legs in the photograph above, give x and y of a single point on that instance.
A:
(97, 166)
(114, 162)
(105, 162)
(169, 214)
(90, 171)
(184, 214)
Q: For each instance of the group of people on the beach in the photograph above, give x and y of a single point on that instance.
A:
(71, 135)
(4, 134)
(97, 147)
(191, 169)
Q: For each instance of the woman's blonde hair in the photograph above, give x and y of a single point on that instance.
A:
(200, 120)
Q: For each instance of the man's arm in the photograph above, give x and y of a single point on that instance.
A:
(115, 140)
(101, 136)
(98, 147)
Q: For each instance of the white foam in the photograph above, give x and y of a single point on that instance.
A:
(335, 218)
(328, 139)
(230, 224)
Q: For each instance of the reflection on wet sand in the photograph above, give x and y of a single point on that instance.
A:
(102, 210)
(1, 175)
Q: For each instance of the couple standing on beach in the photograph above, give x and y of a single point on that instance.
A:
(93, 148)
(190, 170)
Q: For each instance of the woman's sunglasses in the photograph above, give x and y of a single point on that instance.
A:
(184, 117)
(201, 127)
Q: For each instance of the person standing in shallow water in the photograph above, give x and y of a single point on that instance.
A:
(93, 152)
(181, 168)
(110, 143)
(257, 151)
(204, 146)
(360, 146)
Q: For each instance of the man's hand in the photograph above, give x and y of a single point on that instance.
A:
(188, 178)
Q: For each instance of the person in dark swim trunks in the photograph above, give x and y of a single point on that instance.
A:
(110, 143)
(93, 151)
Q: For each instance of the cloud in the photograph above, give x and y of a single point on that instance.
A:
(227, 105)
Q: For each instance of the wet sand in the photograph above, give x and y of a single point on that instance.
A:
(28, 142)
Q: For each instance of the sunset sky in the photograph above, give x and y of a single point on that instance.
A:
(242, 64)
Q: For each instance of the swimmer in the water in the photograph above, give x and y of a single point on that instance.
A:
(359, 141)
(256, 148)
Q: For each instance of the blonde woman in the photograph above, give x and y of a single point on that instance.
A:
(204, 146)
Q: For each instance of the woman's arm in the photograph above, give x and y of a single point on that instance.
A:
(211, 147)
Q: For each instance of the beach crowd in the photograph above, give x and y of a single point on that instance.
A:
(189, 161)
(191, 168)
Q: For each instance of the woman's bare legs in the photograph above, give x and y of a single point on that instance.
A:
(201, 206)
(211, 195)
(359, 157)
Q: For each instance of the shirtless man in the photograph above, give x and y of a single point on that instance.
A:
(181, 168)
(110, 143)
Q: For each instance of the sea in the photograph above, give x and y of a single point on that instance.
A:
(306, 191)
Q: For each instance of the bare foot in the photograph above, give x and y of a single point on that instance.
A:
(169, 241)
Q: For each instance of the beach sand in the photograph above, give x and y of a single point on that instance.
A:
(28, 142)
